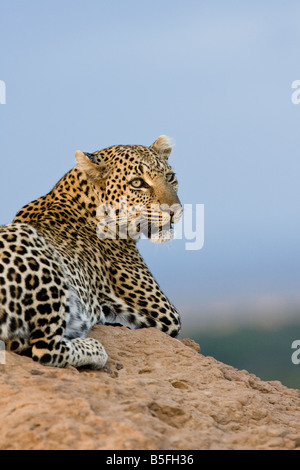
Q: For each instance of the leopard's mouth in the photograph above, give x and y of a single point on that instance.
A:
(161, 233)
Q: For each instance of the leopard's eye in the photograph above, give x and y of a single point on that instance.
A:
(170, 177)
(138, 183)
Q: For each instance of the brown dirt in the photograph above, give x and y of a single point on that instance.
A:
(155, 393)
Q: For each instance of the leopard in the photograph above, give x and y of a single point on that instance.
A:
(69, 260)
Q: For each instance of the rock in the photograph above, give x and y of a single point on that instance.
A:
(156, 393)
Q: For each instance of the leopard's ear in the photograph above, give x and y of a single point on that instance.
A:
(96, 172)
(163, 146)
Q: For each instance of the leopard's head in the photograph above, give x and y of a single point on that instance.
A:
(137, 188)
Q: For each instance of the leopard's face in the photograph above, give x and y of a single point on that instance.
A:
(139, 191)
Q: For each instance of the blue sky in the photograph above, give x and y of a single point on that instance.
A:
(216, 76)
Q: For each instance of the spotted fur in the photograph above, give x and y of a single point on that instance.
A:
(59, 275)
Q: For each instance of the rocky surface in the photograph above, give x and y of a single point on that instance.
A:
(155, 393)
